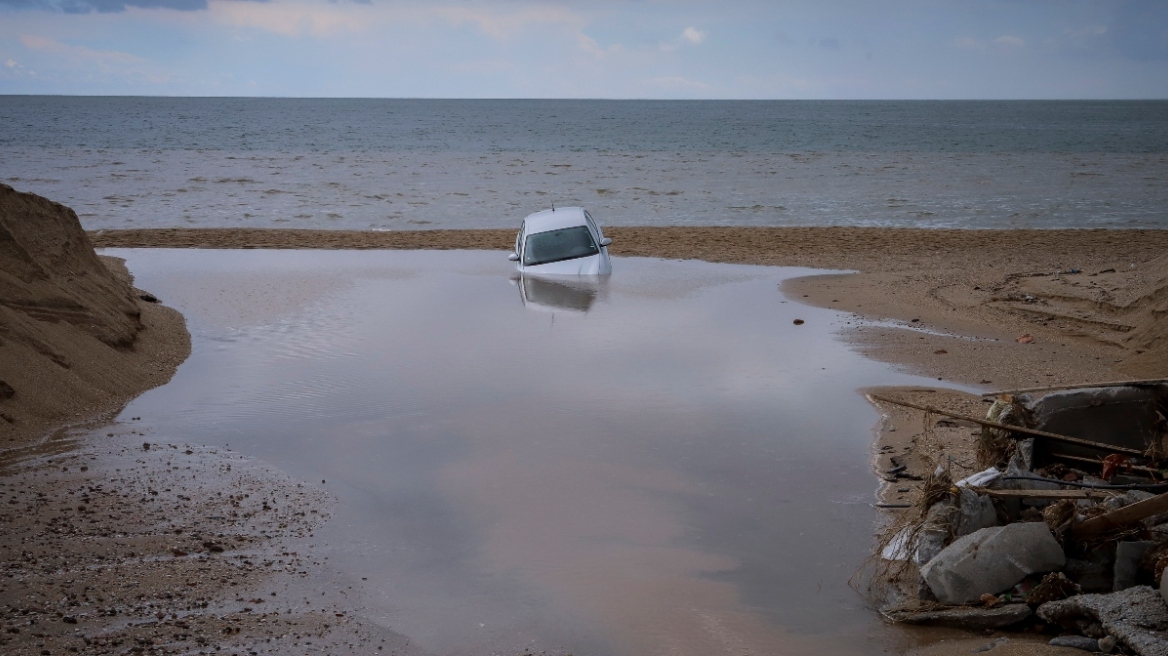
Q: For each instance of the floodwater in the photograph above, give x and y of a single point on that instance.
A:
(659, 463)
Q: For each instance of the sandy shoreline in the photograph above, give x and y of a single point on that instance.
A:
(962, 282)
(923, 293)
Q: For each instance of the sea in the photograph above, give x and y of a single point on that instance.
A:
(401, 164)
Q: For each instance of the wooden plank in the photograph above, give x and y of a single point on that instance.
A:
(1013, 429)
(1053, 388)
(1046, 494)
(1122, 517)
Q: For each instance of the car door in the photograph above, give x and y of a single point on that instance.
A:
(596, 233)
(519, 245)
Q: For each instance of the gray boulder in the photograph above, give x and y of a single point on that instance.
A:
(992, 560)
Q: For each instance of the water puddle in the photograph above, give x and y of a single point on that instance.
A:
(662, 463)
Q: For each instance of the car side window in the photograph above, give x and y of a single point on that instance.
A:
(595, 228)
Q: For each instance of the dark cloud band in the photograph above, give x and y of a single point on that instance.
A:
(105, 6)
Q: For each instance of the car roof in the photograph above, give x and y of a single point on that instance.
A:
(561, 217)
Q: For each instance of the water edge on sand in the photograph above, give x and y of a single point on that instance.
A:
(661, 463)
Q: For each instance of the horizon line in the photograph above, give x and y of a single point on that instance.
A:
(581, 99)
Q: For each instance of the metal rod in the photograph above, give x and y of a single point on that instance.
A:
(1095, 461)
(1013, 429)
(1047, 494)
(1119, 383)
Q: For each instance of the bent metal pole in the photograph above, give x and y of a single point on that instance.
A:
(1013, 429)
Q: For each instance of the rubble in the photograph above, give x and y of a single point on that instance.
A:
(1137, 617)
(992, 560)
(1063, 531)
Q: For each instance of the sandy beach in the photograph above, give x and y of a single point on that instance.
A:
(950, 304)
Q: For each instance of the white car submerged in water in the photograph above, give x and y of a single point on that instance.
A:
(561, 241)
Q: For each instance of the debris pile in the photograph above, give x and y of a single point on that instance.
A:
(1064, 531)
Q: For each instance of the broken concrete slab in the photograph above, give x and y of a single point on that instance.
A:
(992, 560)
(1136, 617)
(1122, 416)
(1127, 564)
(973, 618)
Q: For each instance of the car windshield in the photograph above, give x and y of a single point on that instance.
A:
(556, 245)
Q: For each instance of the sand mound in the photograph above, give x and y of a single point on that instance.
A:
(70, 325)
(49, 271)
(1124, 305)
(1149, 319)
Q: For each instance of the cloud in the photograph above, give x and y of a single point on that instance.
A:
(1003, 43)
(106, 6)
(693, 36)
(505, 24)
(690, 36)
(290, 19)
(677, 82)
(297, 17)
(55, 47)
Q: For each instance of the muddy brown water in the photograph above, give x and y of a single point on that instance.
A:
(661, 463)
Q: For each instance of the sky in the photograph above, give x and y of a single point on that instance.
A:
(739, 49)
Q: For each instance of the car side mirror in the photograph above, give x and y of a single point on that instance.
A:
(605, 242)
(514, 257)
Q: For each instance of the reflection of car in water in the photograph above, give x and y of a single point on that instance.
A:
(560, 293)
(564, 241)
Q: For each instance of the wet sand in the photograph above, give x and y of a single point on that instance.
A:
(970, 283)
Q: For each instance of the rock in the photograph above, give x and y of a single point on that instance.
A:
(1164, 585)
(977, 512)
(948, 519)
(970, 618)
(992, 560)
(931, 540)
(1127, 564)
(1076, 642)
(1135, 617)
